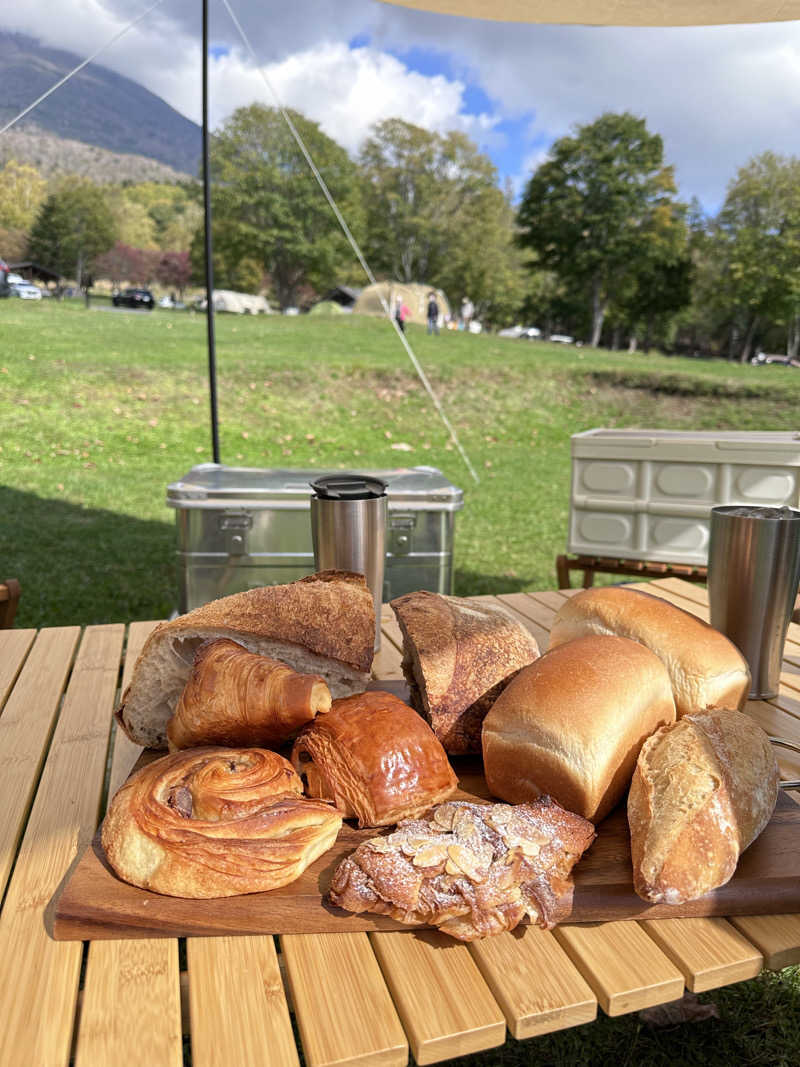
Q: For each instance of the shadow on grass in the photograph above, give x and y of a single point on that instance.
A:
(82, 565)
(473, 583)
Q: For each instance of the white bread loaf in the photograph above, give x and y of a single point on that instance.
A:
(707, 670)
(703, 790)
(323, 625)
(572, 723)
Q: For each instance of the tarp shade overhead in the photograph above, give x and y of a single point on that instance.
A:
(616, 12)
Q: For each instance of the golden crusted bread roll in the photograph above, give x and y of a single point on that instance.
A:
(323, 624)
(215, 822)
(571, 725)
(703, 790)
(706, 669)
(238, 698)
(375, 759)
(470, 869)
(457, 657)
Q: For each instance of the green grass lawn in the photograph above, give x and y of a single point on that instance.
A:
(101, 410)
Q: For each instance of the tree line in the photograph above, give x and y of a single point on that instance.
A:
(599, 244)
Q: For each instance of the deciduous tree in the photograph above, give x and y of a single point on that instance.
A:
(74, 226)
(587, 211)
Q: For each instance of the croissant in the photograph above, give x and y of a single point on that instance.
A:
(235, 697)
(215, 822)
(375, 759)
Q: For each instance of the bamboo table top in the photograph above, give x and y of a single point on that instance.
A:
(366, 998)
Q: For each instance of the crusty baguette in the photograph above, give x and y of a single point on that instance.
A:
(572, 723)
(323, 624)
(703, 790)
(457, 657)
(707, 670)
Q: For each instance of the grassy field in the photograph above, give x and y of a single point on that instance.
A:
(101, 410)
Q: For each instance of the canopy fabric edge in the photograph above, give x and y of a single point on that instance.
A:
(615, 12)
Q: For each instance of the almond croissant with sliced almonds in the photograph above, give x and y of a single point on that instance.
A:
(472, 870)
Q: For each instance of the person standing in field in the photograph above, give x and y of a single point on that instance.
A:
(401, 313)
(433, 313)
(467, 311)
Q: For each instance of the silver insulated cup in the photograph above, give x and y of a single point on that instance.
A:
(348, 530)
(753, 575)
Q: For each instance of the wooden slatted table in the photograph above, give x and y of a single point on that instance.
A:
(406, 994)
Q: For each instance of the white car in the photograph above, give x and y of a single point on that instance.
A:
(562, 339)
(25, 291)
(511, 331)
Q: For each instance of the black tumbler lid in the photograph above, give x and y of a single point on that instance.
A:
(348, 487)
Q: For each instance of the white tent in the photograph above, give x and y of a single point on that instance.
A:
(617, 12)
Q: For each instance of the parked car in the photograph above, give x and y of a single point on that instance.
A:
(134, 298)
(562, 339)
(511, 331)
(530, 333)
(25, 291)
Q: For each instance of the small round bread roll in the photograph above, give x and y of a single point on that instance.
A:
(572, 723)
(215, 822)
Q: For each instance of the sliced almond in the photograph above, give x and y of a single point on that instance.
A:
(443, 816)
(431, 855)
(466, 860)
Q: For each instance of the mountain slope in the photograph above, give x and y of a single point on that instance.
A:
(97, 106)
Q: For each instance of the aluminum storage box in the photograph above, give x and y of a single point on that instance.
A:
(241, 527)
(648, 494)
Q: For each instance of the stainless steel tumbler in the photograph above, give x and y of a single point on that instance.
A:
(753, 575)
(348, 529)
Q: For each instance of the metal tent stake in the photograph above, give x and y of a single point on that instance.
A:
(212, 355)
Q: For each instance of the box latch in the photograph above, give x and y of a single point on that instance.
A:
(234, 526)
(400, 531)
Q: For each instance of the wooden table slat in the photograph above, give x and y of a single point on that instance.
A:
(445, 1005)
(142, 975)
(708, 952)
(14, 647)
(343, 1008)
(537, 987)
(238, 1010)
(777, 937)
(131, 1001)
(39, 990)
(624, 967)
(25, 729)
(126, 752)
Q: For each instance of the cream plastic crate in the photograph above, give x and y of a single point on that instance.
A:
(647, 494)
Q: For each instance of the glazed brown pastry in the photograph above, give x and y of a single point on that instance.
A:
(470, 869)
(235, 697)
(458, 656)
(215, 822)
(375, 759)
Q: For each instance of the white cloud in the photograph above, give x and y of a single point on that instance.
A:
(718, 95)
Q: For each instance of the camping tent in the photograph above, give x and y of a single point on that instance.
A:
(617, 12)
(413, 294)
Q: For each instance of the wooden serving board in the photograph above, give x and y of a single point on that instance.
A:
(94, 904)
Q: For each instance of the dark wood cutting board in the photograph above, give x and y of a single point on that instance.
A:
(94, 904)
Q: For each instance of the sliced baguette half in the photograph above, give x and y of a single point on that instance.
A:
(323, 624)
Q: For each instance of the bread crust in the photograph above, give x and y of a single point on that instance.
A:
(706, 669)
(375, 758)
(458, 655)
(326, 620)
(704, 788)
(571, 724)
(215, 822)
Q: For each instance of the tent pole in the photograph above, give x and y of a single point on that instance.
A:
(212, 353)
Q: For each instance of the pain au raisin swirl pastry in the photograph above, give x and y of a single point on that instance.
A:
(215, 822)
(470, 869)
(375, 759)
(236, 697)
